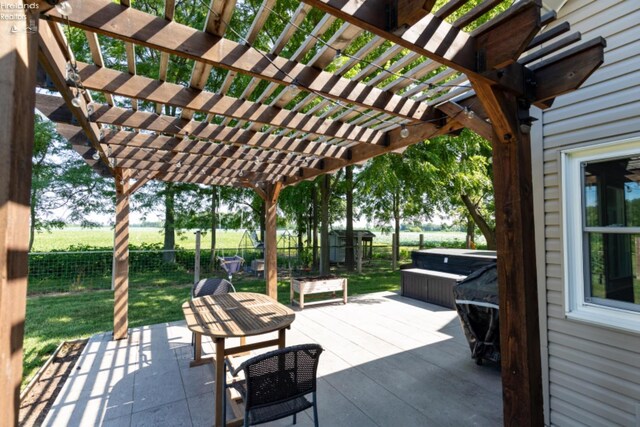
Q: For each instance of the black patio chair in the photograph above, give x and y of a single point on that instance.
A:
(276, 384)
(211, 286)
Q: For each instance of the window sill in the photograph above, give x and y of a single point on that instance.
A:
(611, 318)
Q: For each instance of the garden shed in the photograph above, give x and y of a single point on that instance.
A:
(338, 244)
(488, 79)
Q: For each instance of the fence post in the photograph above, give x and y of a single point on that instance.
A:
(360, 252)
(196, 267)
(421, 244)
(394, 258)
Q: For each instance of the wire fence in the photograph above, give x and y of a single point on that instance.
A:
(86, 270)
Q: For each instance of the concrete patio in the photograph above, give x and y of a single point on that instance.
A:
(389, 361)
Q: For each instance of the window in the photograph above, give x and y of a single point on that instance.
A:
(601, 195)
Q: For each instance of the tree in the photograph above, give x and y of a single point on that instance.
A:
(296, 204)
(349, 258)
(396, 187)
(465, 179)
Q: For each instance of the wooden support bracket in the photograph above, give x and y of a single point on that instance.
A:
(146, 177)
(472, 121)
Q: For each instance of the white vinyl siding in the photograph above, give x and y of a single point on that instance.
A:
(593, 372)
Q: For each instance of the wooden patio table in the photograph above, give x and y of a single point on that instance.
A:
(234, 315)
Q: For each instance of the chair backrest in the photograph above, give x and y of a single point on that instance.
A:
(212, 286)
(281, 375)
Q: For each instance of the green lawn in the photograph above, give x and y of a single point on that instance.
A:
(52, 319)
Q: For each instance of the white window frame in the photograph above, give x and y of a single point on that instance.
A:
(576, 308)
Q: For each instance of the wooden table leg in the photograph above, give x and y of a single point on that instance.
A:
(220, 381)
(197, 348)
(282, 338)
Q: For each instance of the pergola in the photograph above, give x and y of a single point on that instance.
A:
(307, 120)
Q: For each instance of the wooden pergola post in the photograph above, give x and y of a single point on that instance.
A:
(270, 194)
(121, 256)
(17, 98)
(517, 279)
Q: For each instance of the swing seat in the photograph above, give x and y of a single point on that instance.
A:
(231, 264)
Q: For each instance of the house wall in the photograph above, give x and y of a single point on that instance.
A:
(593, 372)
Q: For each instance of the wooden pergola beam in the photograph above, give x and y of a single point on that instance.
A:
(566, 71)
(54, 60)
(219, 14)
(114, 20)
(394, 142)
(169, 11)
(136, 158)
(239, 137)
(195, 179)
(434, 38)
(507, 37)
(430, 36)
(123, 84)
(154, 144)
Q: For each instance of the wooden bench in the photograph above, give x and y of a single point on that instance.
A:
(316, 285)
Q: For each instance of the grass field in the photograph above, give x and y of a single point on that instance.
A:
(103, 237)
(53, 319)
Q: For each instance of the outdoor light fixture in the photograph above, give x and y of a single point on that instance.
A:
(404, 132)
(64, 8)
(294, 87)
(96, 156)
(76, 101)
(469, 113)
(524, 119)
(338, 53)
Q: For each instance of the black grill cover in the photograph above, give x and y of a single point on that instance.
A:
(477, 305)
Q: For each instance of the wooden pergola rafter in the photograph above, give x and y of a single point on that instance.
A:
(440, 72)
